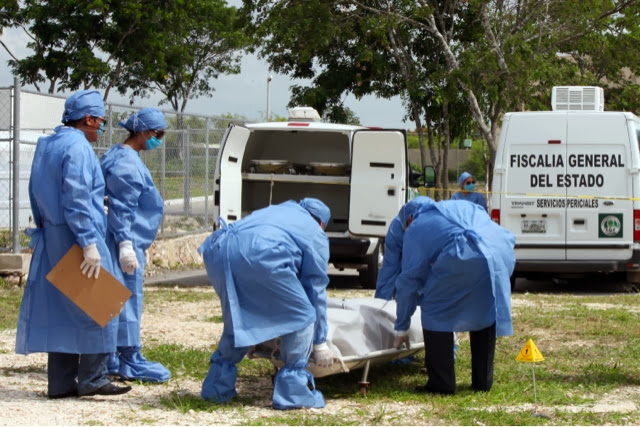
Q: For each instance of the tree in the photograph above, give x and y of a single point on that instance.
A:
(8, 14)
(9, 17)
(200, 40)
(79, 44)
(348, 47)
(135, 46)
(607, 56)
(64, 38)
(516, 60)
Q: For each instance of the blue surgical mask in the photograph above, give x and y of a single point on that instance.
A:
(100, 129)
(153, 143)
(470, 187)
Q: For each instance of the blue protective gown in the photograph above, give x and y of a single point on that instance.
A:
(135, 214)
(461, 261)
(391, 263)
(386, 283)
(66, 191)
(472, 197)
(270, 272)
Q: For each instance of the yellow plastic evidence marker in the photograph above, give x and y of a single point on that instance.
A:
(530, 353)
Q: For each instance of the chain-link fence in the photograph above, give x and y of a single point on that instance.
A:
(6, 115)
(182, 167)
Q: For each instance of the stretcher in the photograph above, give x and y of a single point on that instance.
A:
(361, 334)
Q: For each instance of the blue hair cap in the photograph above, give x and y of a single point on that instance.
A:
(463, 178)
(317, 209)
(83, 103)
(410, 208)
(145, 119)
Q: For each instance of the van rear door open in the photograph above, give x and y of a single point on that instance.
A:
(378, 180)
(532, 203)
(598, 183)
(230, 167)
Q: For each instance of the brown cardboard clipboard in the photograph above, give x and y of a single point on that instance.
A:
(100, 298)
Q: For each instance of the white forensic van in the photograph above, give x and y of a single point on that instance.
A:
(362, 174)
(566, 183)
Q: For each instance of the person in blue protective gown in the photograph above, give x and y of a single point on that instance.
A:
(391, 263)
(386, 282)
(467, 191)
(461, 261)
(66, 191)
(270, 271)
(135, 210)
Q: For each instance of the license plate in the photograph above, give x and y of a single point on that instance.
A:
(534, 225)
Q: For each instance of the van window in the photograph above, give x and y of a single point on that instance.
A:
(637, 133)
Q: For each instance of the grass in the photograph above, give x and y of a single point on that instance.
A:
(6, 239)
(174, 186)
(10, 297)
(591, 346)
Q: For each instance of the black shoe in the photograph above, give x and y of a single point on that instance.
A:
(109, 390)
(72, 393)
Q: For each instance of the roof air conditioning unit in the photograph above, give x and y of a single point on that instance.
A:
(303, 114)
(577, 98)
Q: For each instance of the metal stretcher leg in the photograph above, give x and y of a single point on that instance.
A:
(364, 384)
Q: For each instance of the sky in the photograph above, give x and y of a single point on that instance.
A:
(244, 94)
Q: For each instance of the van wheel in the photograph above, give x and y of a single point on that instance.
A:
(633, 278)
(369, 276)
(512, 279)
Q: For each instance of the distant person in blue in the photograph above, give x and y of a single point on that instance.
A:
(66, 190)
(467, 191)
(270, 271)
(135, 210)
(461, 261)
(385, 285)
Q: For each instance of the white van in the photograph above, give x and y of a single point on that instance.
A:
(566, 183)
(360, 173)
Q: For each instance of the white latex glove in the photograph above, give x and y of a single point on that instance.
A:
(105, 206)
(147, 257)
(128, 260)
(402, 337)
(91, 263)
(323, 355)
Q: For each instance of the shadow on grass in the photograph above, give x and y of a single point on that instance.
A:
(593, 375)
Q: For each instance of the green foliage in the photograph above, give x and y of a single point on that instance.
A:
(181, 361)
(457, 65)
(8, 13)
(413, 140)
(452, 175)
(6, 239)
(64, 36)
(341, 114)
(10, 298)
(176, 47)
(200, 40)
(476, 164)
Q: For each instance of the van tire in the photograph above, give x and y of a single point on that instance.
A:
(512, 279)
(369, 276)
(633, 277)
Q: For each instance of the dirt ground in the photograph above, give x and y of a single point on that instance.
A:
(23, 380)
(23, 384)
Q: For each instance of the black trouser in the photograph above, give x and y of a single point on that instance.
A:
(68, 372)
(440, 364)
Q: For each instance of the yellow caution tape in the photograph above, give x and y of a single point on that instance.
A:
(558, 196)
